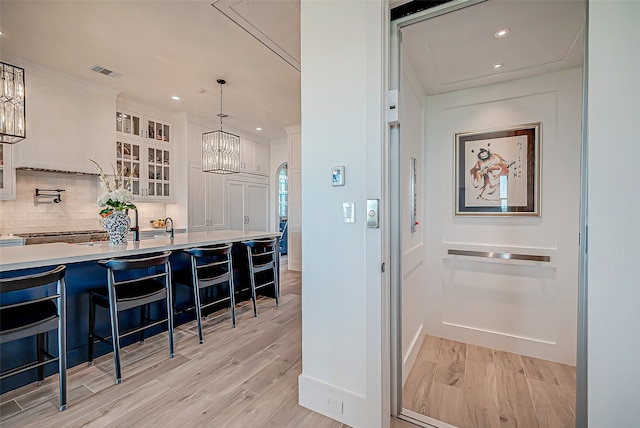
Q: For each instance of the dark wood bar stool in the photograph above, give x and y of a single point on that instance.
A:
(263, 258)
(36, 315)
(210, 267)
(132, 282)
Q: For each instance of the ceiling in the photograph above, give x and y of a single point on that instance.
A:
(167, 48)
(458, 50)
(179, 47)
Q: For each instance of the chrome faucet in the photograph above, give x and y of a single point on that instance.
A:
(135, 228)
(166, 227)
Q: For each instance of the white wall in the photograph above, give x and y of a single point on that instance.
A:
(523, 307)
(342, 313)
(414, 274)
(613, 213)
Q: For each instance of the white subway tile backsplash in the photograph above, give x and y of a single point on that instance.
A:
(77, 211)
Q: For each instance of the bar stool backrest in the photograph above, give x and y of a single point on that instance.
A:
(35, 315)
(26, 282)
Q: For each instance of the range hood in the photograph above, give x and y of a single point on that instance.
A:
(56, 171)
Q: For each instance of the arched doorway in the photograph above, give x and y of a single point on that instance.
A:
(283, 205)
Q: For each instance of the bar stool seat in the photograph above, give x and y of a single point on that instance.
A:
(132, 282)
(263, 258)
(36, 315)
(211, 267)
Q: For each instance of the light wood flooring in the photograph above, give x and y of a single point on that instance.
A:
(470, 386)
(244, 377)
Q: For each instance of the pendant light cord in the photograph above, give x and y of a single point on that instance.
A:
(221, 82)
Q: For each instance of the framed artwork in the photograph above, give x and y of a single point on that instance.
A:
(497, 172)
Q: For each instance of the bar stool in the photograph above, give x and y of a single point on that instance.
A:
(132, 282)
(210, 266)
(35, 316)
(263, 257)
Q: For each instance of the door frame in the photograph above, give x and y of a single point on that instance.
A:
(395, 222)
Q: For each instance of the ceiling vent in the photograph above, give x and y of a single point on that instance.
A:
(105, 71)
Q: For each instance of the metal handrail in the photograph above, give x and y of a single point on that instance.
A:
(496, 255)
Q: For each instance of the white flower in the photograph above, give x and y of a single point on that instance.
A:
(117, 197)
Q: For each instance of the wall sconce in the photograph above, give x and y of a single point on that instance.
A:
(220, 150)
(12, 111)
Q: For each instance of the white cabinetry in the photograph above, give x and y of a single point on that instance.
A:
(248, 205)
(206, 200)
(133, 124)
(144, 155)
(254, 157)
(150, 168)
(7, 173)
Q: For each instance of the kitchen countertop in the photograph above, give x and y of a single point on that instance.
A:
(29, 256)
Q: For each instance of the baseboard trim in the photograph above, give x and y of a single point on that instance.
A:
(410, 357)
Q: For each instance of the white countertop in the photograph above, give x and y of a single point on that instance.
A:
(29, 256)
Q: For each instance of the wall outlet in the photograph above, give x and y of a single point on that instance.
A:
(335, 405)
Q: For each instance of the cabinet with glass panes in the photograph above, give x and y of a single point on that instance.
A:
(148, 167)
(145, 127)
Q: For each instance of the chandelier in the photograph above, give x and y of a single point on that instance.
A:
(220, 149)
(12, 113)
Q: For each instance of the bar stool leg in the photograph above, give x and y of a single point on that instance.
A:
(232, 294)
(252, 280)
(115, 335)
(196, 298)
(62, 347)
(143, 315)
(92, 325)
(169, 311)
(40, 351)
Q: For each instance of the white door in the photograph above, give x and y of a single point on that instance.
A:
(257, 204)
(197, 199)
(235, 205)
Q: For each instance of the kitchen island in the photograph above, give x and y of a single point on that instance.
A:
(83, 273)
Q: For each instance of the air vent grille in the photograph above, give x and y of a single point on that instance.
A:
(105, 71)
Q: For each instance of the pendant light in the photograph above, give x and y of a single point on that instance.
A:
(12, 113)
(220, 149)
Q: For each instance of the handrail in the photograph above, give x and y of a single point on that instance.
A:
(495, 255)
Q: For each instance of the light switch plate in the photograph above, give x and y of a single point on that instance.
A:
(349, 212)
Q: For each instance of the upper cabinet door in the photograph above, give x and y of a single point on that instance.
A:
(254, 157)
(157, 130)
(129, 123)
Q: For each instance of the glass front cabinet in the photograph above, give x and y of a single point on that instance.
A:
(144, 127)
(145, 157)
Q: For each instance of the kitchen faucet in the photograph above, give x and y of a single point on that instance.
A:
(166, 229)
(135, 228)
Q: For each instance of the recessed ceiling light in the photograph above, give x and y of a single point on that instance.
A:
(258, 129)
(498, 65)
(502, 33)
(175, 98)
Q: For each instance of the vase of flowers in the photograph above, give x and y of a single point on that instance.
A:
(115, 201)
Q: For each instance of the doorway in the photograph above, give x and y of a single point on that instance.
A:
(466, 319)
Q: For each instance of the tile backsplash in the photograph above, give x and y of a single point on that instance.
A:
(77, 211)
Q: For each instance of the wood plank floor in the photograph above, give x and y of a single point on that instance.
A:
(242, 377)
(470, 386)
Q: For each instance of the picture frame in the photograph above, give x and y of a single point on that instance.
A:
(497, 171)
